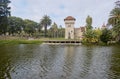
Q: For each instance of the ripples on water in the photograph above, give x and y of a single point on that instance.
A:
(59, 62)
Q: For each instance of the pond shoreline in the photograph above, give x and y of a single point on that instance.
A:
(6, 40)
(41, 41)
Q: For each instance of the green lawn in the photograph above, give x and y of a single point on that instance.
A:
(4, 42)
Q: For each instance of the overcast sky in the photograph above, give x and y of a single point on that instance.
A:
(59, 9)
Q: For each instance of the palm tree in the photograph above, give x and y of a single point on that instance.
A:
(114, 20)
(45, 22)
(116, 31)
(114, 17)
(55, 29)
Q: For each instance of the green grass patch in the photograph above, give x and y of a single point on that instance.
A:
(4, 42)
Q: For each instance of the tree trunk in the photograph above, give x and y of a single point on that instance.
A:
(45, 31)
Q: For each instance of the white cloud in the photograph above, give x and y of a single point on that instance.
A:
(59, 9)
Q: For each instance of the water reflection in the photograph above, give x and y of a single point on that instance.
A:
(68, 62)
(46, 60)
(87, 59)
(100, 63)
(59, 62)
(115, 63)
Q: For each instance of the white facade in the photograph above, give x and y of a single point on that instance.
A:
(69, 30)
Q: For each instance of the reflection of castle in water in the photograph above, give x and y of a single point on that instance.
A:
(69, 61)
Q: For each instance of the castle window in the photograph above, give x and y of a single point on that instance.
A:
(69, 25)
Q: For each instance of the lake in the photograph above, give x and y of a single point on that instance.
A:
(59, 62)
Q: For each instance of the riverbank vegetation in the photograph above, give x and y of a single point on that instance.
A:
(5, 42)
(17, 40)
(109, 33)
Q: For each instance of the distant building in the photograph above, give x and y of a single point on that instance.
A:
(103, 26)
(70, 31)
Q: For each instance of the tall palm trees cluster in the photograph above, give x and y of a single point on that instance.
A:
(54, 31)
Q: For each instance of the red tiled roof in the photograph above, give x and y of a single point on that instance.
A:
(69, 18)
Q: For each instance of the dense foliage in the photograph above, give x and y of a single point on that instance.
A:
(15, 25)
(56, 31)
(18, 26)
(114, 21)
(106, 36)
(88, 22)
(89, 35)
(4, 13)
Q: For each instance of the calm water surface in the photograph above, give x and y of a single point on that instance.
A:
(59, 62)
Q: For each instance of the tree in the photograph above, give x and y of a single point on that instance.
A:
(98, 33)
(114, 20)
(45, 22)
(4, 13)
(116, 32)
(88, 22)
(114, 17)
(15, 24)
(55, 29)
(30, 26)
(106, 36)
(61, 31)
(89, 34)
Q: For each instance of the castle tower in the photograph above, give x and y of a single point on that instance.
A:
(69, 27)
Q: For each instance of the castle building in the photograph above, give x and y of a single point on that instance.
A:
(70, 31)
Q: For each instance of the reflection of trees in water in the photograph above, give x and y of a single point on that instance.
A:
(5, 68)
(14, 58)
(115, 63)
(69, 61)
(5, 61)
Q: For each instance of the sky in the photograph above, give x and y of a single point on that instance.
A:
(58, 10)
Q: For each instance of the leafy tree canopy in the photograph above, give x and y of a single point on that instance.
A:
(4, 13)
(45, 22)
(106, 36)
(89, 22)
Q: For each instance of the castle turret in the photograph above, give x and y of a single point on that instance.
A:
(69, 27)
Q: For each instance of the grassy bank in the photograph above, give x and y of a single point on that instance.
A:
(18, 40)
(4, 42)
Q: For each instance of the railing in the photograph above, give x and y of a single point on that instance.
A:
(61, 42)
